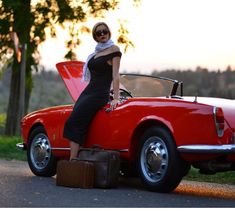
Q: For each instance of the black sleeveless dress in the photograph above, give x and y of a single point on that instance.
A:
(93, 98)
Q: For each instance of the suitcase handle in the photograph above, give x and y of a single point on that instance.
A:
(94, 147)
(74, 159)
(92, 150)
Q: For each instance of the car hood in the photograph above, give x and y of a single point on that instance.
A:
(227, 105)
(71, 73)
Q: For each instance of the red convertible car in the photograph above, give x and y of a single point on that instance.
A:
(159, 132)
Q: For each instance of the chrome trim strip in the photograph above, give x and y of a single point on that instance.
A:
(58, 148)
(21, 146)
(211, 149)
(123, 150)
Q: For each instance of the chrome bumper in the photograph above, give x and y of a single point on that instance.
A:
(209, 149)
(21, 146)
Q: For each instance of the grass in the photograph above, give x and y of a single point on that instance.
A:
(221, 177)
(9, 151)
(8, 148)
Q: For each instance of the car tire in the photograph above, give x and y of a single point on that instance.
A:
(160, 166)
(40, 158)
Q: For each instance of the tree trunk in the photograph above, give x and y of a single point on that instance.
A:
(12, 110)
(22, 25)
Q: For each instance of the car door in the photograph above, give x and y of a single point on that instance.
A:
(111, 129)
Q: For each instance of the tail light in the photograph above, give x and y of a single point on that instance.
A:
(219, 120)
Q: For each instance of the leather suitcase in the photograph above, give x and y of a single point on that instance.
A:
(76, 174)
(106, 163)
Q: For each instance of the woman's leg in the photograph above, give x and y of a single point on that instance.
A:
(74, 147)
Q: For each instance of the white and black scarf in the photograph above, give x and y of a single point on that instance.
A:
(86, 76)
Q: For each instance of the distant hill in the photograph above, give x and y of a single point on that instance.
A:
(49, 89)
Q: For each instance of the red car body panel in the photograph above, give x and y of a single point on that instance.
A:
(190, 122)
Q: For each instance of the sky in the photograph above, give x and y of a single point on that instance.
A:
(179, 34)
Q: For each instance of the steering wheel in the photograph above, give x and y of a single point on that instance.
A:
(122, 92)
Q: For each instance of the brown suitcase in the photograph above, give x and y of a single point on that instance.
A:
(77, 174)
(106, 163)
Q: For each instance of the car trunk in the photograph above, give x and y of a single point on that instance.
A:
(227, 105)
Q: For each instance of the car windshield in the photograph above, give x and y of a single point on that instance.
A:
(146, 86)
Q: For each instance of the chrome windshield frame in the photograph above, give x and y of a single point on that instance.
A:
(175, 83)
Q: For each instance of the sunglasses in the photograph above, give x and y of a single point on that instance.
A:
(101, 32)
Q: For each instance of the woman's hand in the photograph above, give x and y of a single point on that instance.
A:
(114, 104)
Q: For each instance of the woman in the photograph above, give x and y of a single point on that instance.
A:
(100, 69)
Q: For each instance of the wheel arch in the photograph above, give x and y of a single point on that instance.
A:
(139, 131)
(35, 125)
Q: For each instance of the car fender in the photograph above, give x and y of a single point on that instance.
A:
(144, 124)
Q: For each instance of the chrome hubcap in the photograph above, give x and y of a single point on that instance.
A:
(154, 159)
(40, 151)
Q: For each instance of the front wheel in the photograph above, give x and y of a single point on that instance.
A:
(160, 166)
(40, 158)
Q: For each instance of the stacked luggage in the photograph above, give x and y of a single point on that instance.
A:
(94, 167)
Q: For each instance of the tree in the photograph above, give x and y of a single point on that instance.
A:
(29, 19)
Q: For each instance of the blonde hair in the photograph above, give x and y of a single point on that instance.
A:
(95, 27)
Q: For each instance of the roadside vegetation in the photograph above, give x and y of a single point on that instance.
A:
(222, 177)
(8, 151)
